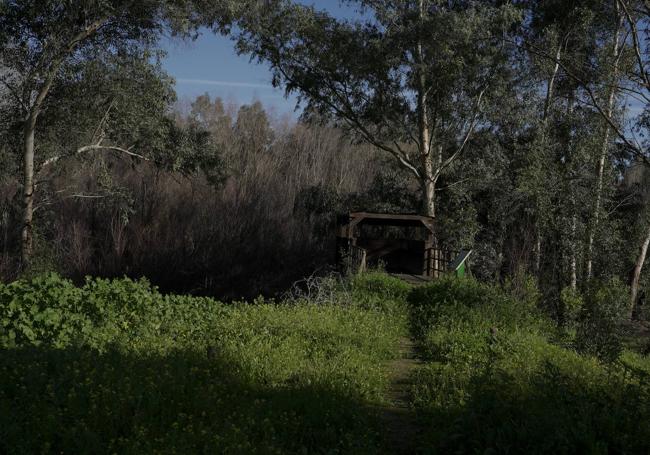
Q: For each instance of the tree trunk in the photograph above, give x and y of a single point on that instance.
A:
(551, 85)
(600, 169)
(573, 240)
(27, 237)
(547, 107)
(636, 274)
(574, 253)
(429, 192)
(429, 176)
(29, 130)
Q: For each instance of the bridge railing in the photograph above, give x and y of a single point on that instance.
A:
(436, 261)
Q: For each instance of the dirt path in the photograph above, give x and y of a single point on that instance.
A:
(400, 430)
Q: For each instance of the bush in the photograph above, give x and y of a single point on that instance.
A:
(571, 305)
(451, 295)
(599, 329)
(523, 288)
(45, 311)
(379, 290)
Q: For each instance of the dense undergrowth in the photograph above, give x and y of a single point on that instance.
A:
(114, 366)
(499, 377)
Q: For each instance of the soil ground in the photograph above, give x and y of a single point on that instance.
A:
(400, 430)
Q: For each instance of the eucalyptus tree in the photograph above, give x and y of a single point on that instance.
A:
(44, 42)
(636, 86)
(560, 38)
(628, 79)
(411, 78)
(550, 27)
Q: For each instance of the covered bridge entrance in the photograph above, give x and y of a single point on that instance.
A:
(403, 244)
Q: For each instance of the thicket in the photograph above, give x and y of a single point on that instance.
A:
(254, 221)
(500, 377)
(115, 366)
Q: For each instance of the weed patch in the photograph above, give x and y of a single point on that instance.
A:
(125, 369)
(495, 382)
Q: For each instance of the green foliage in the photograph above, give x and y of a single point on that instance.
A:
(599, 328)
(523, 288)
(495, 382)
(116, 367)
(42, 312)
(571, 305)
(379, 291)
(411, 62)
(138, 372)
(379, 284)
(465, 297)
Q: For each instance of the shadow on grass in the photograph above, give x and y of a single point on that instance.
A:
(492, 384)
(553, 412)
(78, 401)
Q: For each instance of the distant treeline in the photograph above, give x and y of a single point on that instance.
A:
(253, 220)
(522, 126)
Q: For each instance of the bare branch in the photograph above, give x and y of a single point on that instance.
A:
(637, 46)
(635, 148)
(468, 134)
(98, 134)
(113, 148)
(94, 147)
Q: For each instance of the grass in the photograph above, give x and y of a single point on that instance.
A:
(116, 367)
(155, 374)
(495, 380)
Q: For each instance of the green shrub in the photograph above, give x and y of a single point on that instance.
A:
(571, 305)
(119, 308)
(523, 288)
(44, 311)
(382, 285)
(599, 329)
(50, 311)
(376, 291)
(457, 296)
(539, 399)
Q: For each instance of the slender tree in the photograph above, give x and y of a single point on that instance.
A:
(410, 78)
(44, 40)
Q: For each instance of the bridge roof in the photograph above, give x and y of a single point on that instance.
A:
(388, 219)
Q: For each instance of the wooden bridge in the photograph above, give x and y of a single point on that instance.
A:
(405, 245)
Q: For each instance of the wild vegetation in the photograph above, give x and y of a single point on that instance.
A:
(115, 366)
(521, 125)
(500, 377)
(154, 251)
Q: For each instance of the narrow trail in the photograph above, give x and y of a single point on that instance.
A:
(400, 430)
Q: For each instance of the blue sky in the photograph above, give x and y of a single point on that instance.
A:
(211, 65)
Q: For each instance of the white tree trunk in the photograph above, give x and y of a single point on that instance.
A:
(429, 175)
(547, 107)
(638, 268)
(27, 235)
(574, 252)
(551, 85)
(600, 169)
(29, 130)
(430, 198)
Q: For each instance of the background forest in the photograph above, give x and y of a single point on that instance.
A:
(521, 125)
(141, 235)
